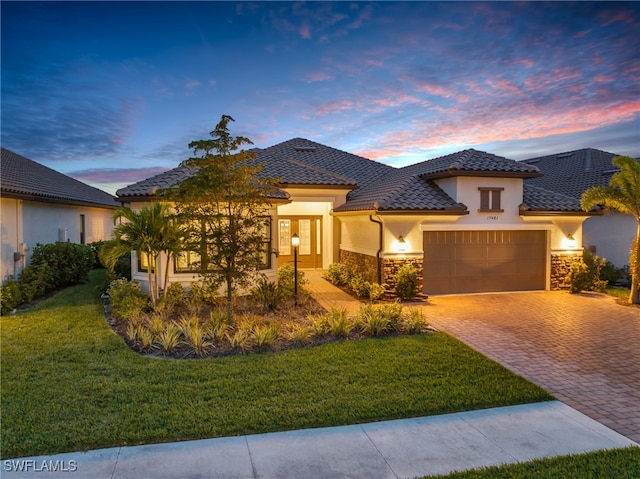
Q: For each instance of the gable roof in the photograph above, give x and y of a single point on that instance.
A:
(296, 162)
(412, 188)
(571, 173)
(23, 178)
(473, 162)
(374, 186)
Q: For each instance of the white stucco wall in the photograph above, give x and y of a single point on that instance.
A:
(30, 222)
(612, 235)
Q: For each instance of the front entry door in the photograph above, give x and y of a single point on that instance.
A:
(309, 229)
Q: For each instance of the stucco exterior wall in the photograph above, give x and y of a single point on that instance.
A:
(611, 234)
(31, 222)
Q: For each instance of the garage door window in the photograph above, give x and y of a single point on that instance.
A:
(490, 199)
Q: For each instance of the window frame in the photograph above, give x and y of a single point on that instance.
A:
(490, 199)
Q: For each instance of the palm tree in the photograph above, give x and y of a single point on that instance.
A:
(623, 195)
(151, 231)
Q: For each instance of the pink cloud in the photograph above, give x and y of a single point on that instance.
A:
(305, 32)
(461, 129)
(319, 77)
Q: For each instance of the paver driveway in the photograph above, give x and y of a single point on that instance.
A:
(584, 349)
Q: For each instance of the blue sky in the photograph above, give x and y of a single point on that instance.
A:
(113, 92)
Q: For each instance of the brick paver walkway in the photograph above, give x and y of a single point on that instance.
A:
(584, 349)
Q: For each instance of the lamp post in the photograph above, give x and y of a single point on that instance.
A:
(295, 242)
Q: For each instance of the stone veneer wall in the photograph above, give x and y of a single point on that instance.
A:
(390, 267)
(560, 267)
(363, 264)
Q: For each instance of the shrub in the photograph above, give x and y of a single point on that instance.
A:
(169, 338)
(286, 283)
(35, 281)
(299, 333)
(127, 300)
(195, 335)
(266, 335)
(175, 294)
(414, 322)
(241, 338)
(376, 291)
(10, 296)
(359, 287)
(372, 321)
(584, 274)
(267, 293)
(393, 315)
(337, 322)
(338, 274)
(70, 263)
(319, 324)
(406, 280)
(217, 326)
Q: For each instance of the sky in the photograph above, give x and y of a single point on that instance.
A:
(111, 93)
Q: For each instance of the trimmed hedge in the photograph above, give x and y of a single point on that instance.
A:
(52, 266)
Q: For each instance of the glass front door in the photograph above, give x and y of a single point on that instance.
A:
(309, 230)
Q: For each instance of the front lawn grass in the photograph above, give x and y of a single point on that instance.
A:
(611, 464)
(70, 383)
(621, 293)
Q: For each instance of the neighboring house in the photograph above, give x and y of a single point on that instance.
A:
(40, 205)
(467, 221)
(571, 173)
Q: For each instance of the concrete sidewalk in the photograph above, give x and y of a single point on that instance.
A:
(390, 449)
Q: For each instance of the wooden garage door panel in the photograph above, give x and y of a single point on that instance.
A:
(484, 261)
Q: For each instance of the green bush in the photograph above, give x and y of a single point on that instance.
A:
(584, 274)
(359, 286)
(406, 280)
(267, 293)
(175, 294)
(339, 274)
(127, 300)
(376, 291)
(286, 283)
(10, 296)
(35, 281)
(69, 263)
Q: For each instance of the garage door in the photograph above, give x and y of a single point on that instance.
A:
(484, 261)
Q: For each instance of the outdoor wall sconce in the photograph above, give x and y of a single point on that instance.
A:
(402, 244)
(571, 241)
(295, 242)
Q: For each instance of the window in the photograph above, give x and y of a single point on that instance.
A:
(266, 242)
(143, 263)
(490, 199)
(186, 262)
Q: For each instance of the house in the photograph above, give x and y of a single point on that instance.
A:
(571, 173)
(468, 221)
(40, 205)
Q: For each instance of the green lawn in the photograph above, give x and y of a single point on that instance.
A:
(70, 383)
(613, 464)
(622, 293)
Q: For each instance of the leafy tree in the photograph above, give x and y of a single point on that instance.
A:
(151, 231)
(623, 195)
(227, 203)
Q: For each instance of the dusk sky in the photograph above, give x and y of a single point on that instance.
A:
(111, 93)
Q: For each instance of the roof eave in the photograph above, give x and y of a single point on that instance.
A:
(55, 200)
(311, 186)
(558, 213)
(493, 174)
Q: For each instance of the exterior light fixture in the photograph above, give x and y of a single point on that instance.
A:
(571, 241)
(402, 244)
(295, 242)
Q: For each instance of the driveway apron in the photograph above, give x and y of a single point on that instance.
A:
(584, 348)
